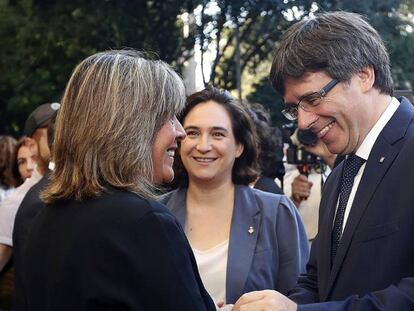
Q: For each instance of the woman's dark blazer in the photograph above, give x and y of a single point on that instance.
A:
(268, 247)
(115, 252)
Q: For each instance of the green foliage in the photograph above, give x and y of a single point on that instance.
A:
(272, 101)
(42, 41)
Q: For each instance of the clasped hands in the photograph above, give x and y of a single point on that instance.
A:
(265, 300)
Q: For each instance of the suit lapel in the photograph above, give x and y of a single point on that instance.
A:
(380, 160)
(242, 244)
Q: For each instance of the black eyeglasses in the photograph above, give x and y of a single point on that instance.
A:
(308, 102)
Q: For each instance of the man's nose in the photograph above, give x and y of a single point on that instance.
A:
(306, 119)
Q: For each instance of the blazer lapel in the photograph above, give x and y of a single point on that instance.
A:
(380, 160)
(242, 242)
(178, 206)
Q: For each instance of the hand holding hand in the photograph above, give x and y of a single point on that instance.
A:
(220, 306)
(266, 300)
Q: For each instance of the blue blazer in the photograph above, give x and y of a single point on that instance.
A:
(271, 257)
(374, 265)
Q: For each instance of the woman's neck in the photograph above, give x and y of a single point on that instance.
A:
(210, 194)
(209, 214)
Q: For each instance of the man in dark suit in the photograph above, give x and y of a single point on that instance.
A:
(334, 74)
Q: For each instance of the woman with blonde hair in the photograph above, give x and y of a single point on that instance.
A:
(102, 242)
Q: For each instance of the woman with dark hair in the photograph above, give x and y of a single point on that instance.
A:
(243, 239)
(102, 242)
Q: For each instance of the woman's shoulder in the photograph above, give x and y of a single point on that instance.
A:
(175, 199)
(267, 202)
(126, 204)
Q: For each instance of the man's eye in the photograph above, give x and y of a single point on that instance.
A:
(313, 101)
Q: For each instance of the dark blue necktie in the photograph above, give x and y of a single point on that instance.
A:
(351, 167)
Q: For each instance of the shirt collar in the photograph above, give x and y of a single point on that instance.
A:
(365, 149)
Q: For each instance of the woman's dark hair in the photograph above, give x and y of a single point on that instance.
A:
(7, 179)
(270, 143)
(15, 166)
(245, 169)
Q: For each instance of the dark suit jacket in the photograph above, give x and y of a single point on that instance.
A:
(114, 252)
(272, 256)
(374, 265)
(267, 184)
(27, 211)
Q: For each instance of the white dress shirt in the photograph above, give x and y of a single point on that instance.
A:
(10, 205)
(365, 149)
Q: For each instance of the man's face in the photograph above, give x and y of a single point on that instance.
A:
(40, 136)
(341, 120)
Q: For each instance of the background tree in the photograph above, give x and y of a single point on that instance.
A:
(43, 40)
(258, 25)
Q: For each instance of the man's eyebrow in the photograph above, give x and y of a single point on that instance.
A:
(307, 94)
(300, 98)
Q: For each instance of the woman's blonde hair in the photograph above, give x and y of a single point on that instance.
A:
(114, 104)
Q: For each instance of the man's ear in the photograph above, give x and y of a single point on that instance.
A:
(366, 78)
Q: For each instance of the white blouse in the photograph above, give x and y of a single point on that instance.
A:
(212, 265)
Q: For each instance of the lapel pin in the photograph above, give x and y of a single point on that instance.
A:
(381, 160)
(251, 230)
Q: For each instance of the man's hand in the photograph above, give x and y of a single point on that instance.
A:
(301, 188)
(266, 300)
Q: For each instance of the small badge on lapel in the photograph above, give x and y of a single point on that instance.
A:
(381, 160)
(251, 230)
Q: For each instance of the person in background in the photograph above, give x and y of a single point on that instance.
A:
(7, 180)
(270, 158)
(7, 185)
(243, 239)
(25, 159)
(36, 150)
(26, 213)
(102, 242)
(305, 190)
(333, 71)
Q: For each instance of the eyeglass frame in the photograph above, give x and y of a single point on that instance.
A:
(291, 112)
